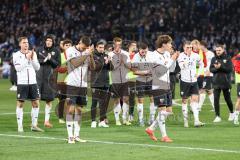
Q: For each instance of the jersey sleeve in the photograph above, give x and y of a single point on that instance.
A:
(70, 54)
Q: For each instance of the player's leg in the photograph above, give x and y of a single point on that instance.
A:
(160, 119)
(125, 108)
(209, 90)
(195, 109)
(34, 96)
(61, 105)
(194, 103)
(140, 110)
(185, 93)
(94, 107)
(117, 111)
(217, 93)
(77, 123)
(140, 90)
(35, 113)
(103, 105)
(47, 95)
(202, 93)
(131, 100)
(228, 99)
(211, 98)
(237, 106)
(71, 101)
(48, 108)
(81, 102)
(19, 115)
(169, 105)
(22, 93)
(62, 90)
(162, 124)
(152, 110)
(115, 89)
(69, 118)
(124, 93)
(185, 111)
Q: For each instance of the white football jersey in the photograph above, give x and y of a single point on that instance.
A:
(77, 77)
(188, 66)
(162, 62)
(26, 69)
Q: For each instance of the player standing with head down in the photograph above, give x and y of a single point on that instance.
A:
(26, 65)
(79, 58)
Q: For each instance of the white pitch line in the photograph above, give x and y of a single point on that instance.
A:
(13, 113)
(131, 144)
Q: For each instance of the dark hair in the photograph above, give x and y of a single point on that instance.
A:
(117, 39)
(220, 45)
(163, 39)
(66, 41)
(203, 43)
(21, 38)
(101, 42)
(142, 45)
(85, 40)
(130, 43)
(186, 43)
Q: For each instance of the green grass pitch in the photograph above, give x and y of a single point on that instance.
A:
(214, 141)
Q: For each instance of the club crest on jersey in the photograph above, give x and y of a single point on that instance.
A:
(53, 53)
(224, 61)
(161, 100)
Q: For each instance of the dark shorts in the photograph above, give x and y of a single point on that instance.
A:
(207, 83)
(143, 88)
(238, 89)
(200, 80)
(77, 95)
(119, 90)
(188, 89)
(163, 100)
(61, 90)
(28, 92)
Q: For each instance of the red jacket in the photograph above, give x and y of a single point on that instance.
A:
(236, 63)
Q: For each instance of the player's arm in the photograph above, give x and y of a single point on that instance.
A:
(226, 67)
(78, 61)
(213, 69)
(34, 61)
(114, 64)
(55, 60)
(92, 62)
(125, 60)
(98, 64)
(91, 59)
(19, 63)
(172, 60)
(181, 63)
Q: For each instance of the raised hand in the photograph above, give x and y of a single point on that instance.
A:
(175, 55)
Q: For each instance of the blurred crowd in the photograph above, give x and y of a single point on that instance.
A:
(211, 20)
